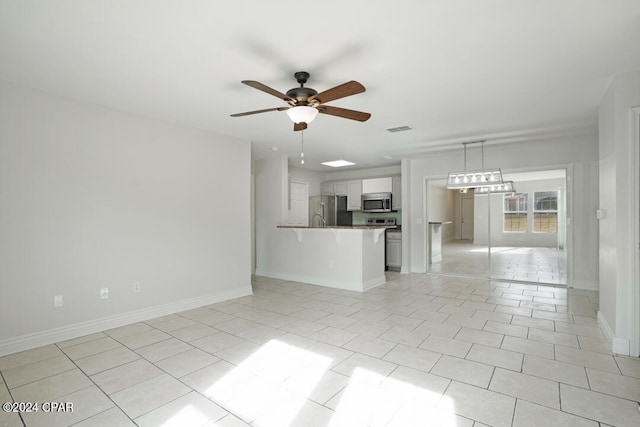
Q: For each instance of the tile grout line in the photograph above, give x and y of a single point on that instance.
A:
(11, 396)
(98, 387)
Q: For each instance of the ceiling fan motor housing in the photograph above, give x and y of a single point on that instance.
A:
(301, 94)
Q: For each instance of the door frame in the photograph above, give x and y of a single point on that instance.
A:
(568, 177)
(634, 194)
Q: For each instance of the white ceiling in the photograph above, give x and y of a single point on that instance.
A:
(452, 70)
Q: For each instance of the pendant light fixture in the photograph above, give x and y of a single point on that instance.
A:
(476, 178)
(505, 187)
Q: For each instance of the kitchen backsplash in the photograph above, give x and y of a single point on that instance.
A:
(360, 218)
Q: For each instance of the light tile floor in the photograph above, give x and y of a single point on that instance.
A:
(528, 264)
(422, 350)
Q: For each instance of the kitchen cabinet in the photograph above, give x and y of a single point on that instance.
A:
(340, 188)
(377, 185)
(354, 195)
(333, 188)
(396, 194)
(327, 189)
(394, 250)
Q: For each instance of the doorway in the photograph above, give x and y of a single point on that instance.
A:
(515, 237)
(466, 218)
(298, 213)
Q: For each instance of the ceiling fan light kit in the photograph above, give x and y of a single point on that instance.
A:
(302, 114)
(305, 103)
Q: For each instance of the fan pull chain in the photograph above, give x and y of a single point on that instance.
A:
(302, 147)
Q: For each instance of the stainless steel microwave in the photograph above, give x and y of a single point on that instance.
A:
(376, 202)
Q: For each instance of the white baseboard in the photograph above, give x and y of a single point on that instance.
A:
(374, 283)
(618, 345)
(26, 342)
(329, 283)
(587, 285)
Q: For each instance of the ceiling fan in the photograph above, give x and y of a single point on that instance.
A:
(305, 103)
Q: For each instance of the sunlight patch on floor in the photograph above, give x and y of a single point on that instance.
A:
(272, 388)
(188, 416)
(271, 385)
(371, 399)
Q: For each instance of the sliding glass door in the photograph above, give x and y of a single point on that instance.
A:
(517, 236)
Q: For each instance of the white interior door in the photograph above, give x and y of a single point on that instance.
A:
(299, 212)
(466, 219)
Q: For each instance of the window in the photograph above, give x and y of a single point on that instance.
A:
(545, 212)
(515, 213)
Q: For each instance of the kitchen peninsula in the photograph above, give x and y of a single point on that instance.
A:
(343, 257)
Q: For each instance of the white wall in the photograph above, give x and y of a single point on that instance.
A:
(271, 202)
(91, 198)
(617, 194)
(578, 152)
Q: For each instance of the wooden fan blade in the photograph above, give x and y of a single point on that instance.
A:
(267, 89)
(344, 113)
(248, 113)
(299, 126)
(345, 89)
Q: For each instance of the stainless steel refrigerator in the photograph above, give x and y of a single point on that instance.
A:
(329, 210)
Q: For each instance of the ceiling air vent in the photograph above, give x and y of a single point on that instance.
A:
(399, 129)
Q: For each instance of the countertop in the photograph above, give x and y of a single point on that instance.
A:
(340, 227)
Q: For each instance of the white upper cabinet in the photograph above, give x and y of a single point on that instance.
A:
(340, 188)
(396, 194)
(334, 188)
(327, 189)
(377, 185)
(354, 195)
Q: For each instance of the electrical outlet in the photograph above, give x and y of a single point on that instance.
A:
(330, 263)
(104, 293)
(136, 287)
(57, 301)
